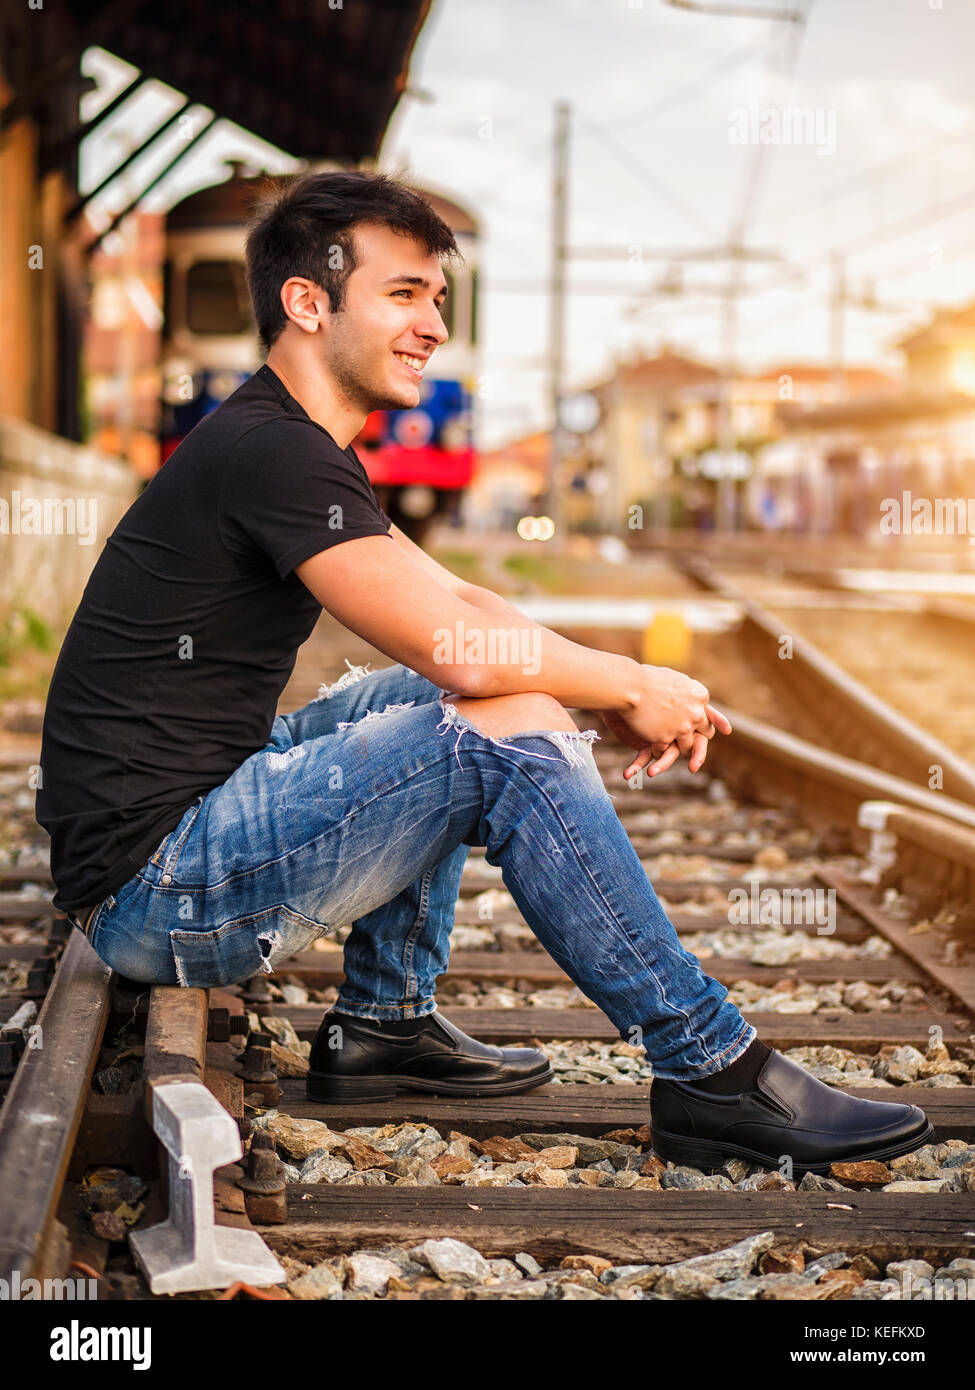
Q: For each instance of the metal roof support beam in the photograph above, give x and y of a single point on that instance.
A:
(157, 178)
(78, 207)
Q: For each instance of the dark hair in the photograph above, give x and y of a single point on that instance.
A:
(298, 225)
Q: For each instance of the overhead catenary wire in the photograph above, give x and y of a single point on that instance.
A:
(643, 175)
(666, 105)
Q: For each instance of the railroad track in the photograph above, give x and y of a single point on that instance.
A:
(788, 551)
(32, 935)
(894, 640)
(817, 699)
(559, 1187)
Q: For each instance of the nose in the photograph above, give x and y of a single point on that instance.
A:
(431, 327)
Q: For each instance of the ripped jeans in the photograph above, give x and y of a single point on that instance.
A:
(361, 810)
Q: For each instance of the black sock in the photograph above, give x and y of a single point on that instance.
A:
(396, 1026)
(740, 1076)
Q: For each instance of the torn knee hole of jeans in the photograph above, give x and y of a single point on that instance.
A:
(350, 677)
(267, 942)
(289, 755)
(374, 714)
(563, 739)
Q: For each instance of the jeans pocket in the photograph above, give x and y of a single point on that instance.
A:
(168, 850)
(125, 933)
(242, 947)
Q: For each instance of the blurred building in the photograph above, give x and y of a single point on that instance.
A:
(121, 343)
(941, 355)
(508, 483)
(645, 421)
(41, 265)
(663, 451)
(913, 435)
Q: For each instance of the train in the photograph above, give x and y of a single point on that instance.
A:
(419, 461)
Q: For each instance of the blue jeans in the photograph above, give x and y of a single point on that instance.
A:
(361, 810)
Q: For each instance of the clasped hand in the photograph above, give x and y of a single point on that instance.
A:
(673, 719)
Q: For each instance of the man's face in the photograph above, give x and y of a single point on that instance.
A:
(391, 313)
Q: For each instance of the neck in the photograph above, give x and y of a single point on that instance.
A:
(318, 394)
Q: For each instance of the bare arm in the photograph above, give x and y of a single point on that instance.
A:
(385, 595)
(655, 756)
(467, 639)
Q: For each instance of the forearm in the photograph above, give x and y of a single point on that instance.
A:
(470, 642)
(492, 602)
(523, 656)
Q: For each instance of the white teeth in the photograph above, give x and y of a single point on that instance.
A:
(415, 362)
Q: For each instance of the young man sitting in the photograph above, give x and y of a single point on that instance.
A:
(198, 836)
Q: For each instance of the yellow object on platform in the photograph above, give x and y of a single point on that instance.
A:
(667, 641)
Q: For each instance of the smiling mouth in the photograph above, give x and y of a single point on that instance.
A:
(413, 364)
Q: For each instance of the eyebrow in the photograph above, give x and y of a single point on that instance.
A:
(418, 280)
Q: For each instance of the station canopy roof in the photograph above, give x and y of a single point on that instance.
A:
(318, 79)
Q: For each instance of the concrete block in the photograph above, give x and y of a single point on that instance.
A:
(189, 1251)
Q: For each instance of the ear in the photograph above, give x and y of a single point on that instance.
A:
(305, 303)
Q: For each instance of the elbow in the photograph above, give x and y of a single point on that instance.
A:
(455, 666)
(466, 680)
(473, 679)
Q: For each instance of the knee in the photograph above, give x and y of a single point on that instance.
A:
(501, 715)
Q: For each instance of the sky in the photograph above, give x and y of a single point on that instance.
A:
(677, 138)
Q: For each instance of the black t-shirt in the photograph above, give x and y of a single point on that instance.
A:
(188, 630)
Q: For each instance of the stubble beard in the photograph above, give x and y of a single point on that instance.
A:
(358, 385)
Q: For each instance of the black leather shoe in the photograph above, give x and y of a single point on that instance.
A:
(788, 1112)
(359, 1062)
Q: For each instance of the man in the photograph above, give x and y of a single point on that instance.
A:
(197, 837)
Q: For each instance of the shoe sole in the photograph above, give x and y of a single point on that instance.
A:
(352, 1089)
(702, 1153)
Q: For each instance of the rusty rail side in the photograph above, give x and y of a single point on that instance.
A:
(834, 704)
(43, 1110)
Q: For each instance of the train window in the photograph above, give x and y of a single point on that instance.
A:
(475, 288)
(448, 309)
(217, 299)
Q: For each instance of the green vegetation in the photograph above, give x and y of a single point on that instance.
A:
(551, 576)
(27, 647)
(20, 628)
(464, 563)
